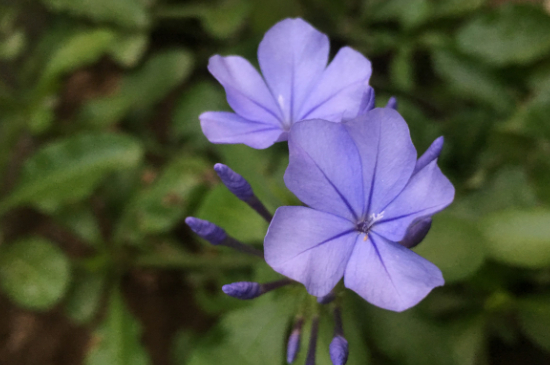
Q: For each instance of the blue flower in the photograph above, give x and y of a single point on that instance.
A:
(364, 188)
(297, 84)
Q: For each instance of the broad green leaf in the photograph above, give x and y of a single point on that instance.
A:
(80, 220)
(532, 117)
(159, 207)
(454, 245)
(467, 340)
(534, 318)
(402, 72)
(512, 34)
(69, 169)
(236, 217)
(11, 47)
(80, 49)
(117, 340)
(128, 49)
(125, 13)
(141, 89)
(455, 8)
(410, 13)
(204, 96)
(224, 19)
(84, 297)
(410, 339)
(34, 273)
(472, 80)
(255, 334)
(518, 237)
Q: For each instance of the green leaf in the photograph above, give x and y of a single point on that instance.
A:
(519, 238)
(471, 80)
(129, 48)
(236, 217)
(226, 18)
(534, 318)
(512, 34)
(410, 13)
(117, 340)
(402, 72)
(125, 13)
(80, 49)
(141, 89)
(454, 245)
(255, 334)
(159, 207)
(531, 118)
(84, 297)
(34, 273)
(71, 168)
(410, 339)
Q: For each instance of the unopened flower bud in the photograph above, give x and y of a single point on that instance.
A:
(234, 182)
(207, 230)
(338, 350)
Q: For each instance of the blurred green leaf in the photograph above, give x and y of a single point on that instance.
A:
(141, 89)
(540, 174)
(199, 98)
(250, 335)
(12, 45)
(472, 80)
(454, 245)
(85, 295)
(80, 220)
(80, 49)
(511, 34)
(519, 238)
(402, 72)
(410, 13)
(117, 340)
(158, 207)
(34, 273)
(70, 169)
(532, 117)
(534, 318)
(129, 48)
(410, 339)
(236, 217)
(467, 340)
(455, 8)
(125, 13)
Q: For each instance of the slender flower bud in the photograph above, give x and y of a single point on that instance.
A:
(243, 290)
(241, 189)
(392, 103)
(293, 345)
(217, 236)
(310, 359)
(250, 290)
(431, 154)
(416, 232)
(338, 350)
(234, 182)
(209, 231)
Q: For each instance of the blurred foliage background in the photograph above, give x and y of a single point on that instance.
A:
(102, 156)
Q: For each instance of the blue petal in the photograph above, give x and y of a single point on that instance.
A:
(225, 127)
(339, 92)
(389, 275)
(309, 246)
(324, 168)
(387, 155)
(428, 192)
(245, 89)
(292, 57)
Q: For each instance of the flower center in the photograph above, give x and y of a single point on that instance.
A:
(365, 225)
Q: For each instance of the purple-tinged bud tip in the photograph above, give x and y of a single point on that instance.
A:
(243, 290)
(416, 232)
(234, 182)
(209, 231)
(431, 154)
(392, 103)
(293, 346)
(338, 350)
